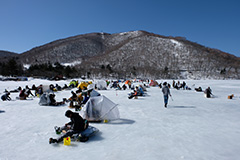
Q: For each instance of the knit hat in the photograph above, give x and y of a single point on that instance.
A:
(68, 113)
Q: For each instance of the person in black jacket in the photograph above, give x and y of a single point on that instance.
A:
(6, 97)
(208, 92)
(76, 125)
(53, 101)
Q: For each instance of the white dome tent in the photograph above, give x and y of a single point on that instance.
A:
(44, 100)
(101, 85)
(100, 108)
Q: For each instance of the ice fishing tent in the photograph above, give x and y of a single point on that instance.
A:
(101, 85)
(100, 108)
(94, 93)
(46, 88)
(153, 83)
(44, 100)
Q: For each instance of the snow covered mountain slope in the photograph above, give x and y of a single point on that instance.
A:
(136, 54)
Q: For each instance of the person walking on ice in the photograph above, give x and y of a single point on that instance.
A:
(166, 92)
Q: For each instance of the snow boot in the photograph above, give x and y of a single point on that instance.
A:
(83, 139)
(165, 105)
(51, 140)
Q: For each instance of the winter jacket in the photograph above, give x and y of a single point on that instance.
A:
(23, 93)
(77, 122)
(165, 91)
(5, 97)
(208, 92)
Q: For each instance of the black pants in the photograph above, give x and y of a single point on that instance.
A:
(69, 133)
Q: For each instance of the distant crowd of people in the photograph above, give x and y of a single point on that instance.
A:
(178, 85)
(80, 97)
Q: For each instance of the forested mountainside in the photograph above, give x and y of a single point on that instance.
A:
(6, 54)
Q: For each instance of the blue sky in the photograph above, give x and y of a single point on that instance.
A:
(25, 24)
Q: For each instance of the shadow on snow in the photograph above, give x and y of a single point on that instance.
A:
(181, 107)
(121, 121)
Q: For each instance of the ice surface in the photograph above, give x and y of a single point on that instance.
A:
(191, 128)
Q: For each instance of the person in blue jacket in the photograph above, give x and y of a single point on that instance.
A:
(166, 93)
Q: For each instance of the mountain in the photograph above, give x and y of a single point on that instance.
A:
(6, 54)
(138, 54)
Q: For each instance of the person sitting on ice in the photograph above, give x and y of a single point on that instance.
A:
(160, 85)
(65, 86)
(28, 91)
(86, 96)
(34, 88)
(58, 88)
(208, 92)
(119, 87)
(199, 89)
(188, 88)
(53, 102)
(72, 99)
(23, 95)
(39, 90)
(76, 125)
(124, 87)
(141, 92)
(184, 85)
(135, 93)
(6, 97)
(114, 84)
(52, 87)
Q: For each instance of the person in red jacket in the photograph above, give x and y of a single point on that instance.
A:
(23, 94)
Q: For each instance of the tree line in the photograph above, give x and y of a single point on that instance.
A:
(46, 70)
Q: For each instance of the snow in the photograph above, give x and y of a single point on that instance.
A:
(191, 128)
(131, 33)
(178, 44)
(26, 66)
(72, 64)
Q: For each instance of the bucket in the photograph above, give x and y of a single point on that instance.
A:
(67, 141)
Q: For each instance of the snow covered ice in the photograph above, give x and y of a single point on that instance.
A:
(191, 128)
